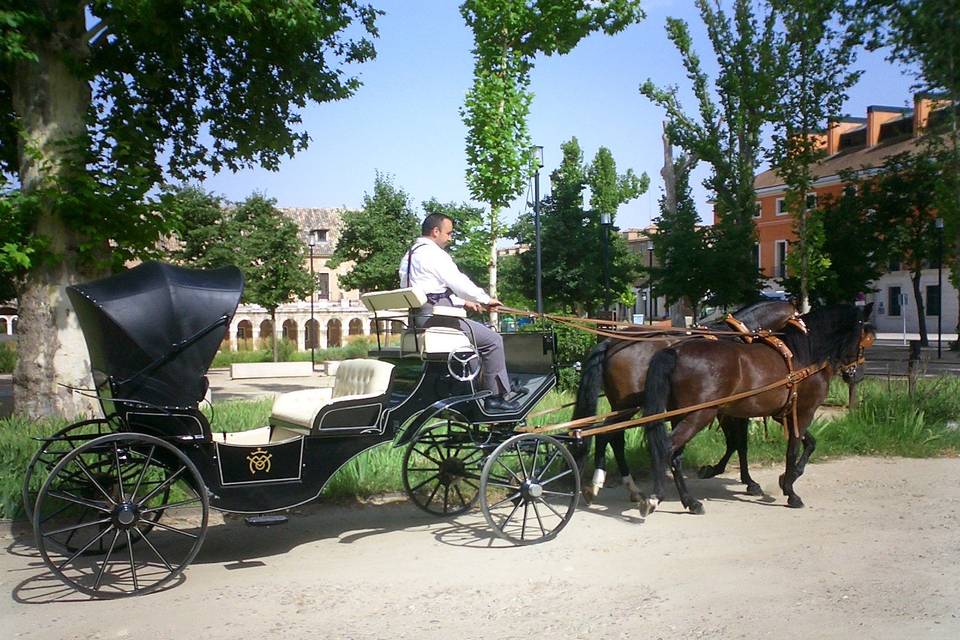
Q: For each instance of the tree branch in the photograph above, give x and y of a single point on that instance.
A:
(94, 33)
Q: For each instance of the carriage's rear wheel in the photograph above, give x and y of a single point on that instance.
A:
(441, 468)
(529, 488)
(96, 516)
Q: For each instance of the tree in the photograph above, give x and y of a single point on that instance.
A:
(470, 247)
(101, 97)
(726, 135)
(925, 34)
(680, 244)
(813, 75)
(572, 237)
(199, 223)
(271, 256)
(375, 238)
(508, 35)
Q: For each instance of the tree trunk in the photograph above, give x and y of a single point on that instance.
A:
(494, 216)
(52, 103)
(273, 323)
(921, 310)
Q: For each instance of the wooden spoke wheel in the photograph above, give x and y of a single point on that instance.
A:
(441, 467)
(529, 488)
(96, 518)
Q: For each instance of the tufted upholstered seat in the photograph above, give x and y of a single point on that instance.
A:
(358, 395)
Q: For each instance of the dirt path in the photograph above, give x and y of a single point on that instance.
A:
(876, 554)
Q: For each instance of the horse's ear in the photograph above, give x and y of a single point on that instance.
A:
(867, 311)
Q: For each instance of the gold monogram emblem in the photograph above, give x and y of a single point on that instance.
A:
(259, 461)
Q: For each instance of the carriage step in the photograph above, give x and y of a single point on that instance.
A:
(264, 520)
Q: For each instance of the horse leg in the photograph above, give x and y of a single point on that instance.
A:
(682, 433)
(618, 442)
(591, 490)
(809, 445)
(796, 463)
(740, 430)
(707, 471)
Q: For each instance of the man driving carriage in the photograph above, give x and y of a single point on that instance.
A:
(429, 267)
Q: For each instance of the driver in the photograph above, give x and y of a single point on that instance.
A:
(428, 267)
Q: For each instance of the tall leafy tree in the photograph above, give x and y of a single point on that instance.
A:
(925, 35)
(271, 254)
(572, 237)
(508, 35)
(813, 74)
(681, 242)
(725, 132)
(374, 238)
(199, 223)
(101, 97)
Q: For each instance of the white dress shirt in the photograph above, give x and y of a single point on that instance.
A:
(434, 271)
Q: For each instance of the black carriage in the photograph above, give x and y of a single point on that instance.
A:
(119, 504)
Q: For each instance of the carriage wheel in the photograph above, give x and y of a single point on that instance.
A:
(441, 468)
(52, 450)
(110, 490)
(529, 488)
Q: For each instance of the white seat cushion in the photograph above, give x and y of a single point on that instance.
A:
(433, 341)
(355, 379)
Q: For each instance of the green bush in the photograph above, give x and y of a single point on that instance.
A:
(8, 357)
(572, 347)
(356, 347)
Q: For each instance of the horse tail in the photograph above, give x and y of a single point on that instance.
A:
(591, 379)
(656, 393)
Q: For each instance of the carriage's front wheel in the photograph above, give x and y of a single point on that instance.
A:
(529, 488)
(441, 468)
(96, 521)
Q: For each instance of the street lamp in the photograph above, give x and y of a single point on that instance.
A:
(650, 280)
(538, 163)
(606, 221)
(938, 223)
(312, 241)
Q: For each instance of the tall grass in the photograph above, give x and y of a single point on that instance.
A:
(887, 422)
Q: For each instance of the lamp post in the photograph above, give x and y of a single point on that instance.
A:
(313, 294)
(538, 160)
(938, 223)
(606, 220)
(649, 281)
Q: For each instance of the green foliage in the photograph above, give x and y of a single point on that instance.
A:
(514, 283)
(200, 224)
(375, 238)
(572, 237)
(572, 347)
(814, 56)
(356, 347)
(726, 135)
(470, 247)
(8, 357)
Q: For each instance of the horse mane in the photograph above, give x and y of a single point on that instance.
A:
(747, 314)
(833, 336)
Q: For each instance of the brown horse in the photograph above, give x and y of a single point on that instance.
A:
(620, 367)
(700, 371)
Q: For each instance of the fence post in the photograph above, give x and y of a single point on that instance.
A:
(912, 366)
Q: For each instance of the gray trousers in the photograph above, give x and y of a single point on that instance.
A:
(489, 344)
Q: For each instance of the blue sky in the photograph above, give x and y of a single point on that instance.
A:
(405, 120)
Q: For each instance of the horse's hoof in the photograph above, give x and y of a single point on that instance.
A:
(794, 502)
(706, 472)
(648, 505)
(636, 497)
(754, 489)
(783, 484)
(696, 508)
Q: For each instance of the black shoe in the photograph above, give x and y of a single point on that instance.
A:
(497, 404)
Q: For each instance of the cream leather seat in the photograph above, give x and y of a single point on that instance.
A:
(433, 341)
(360, 392)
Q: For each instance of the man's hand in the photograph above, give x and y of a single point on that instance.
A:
(494, 303)
(476, 307)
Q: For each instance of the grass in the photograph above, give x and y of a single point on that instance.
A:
(355, 348)
(888, 422)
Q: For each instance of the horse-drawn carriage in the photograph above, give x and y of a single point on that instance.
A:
(120, 504)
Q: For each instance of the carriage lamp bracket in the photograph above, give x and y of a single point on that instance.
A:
(458, 363)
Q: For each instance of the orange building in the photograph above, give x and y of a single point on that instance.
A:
(857, 144)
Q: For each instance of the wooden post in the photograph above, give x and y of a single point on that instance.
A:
(852, 395)
(912, 366)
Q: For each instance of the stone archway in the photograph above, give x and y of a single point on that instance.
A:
(244, 335)
(266, 334)
(289, 334)
(311, 335)
(334, 331)
(355, 328)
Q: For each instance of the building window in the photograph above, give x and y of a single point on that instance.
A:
(323, 286)
(894, 299)
(781, 206)
(781, 258)
(811, 201)
(894, 264)
(318, 235)
(757, 210)
(933, 300)
(756, 254)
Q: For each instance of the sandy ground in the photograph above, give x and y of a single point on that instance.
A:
(874, 555)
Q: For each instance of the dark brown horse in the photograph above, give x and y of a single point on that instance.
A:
(700, 371)
(620, 368)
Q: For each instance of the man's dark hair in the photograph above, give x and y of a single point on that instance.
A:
(433, 221)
